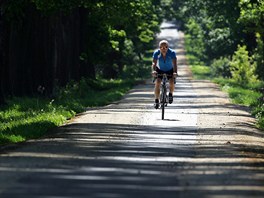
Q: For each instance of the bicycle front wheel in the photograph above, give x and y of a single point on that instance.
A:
(163, 103)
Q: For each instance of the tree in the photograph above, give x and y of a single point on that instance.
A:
(50, 43)
(252, 16)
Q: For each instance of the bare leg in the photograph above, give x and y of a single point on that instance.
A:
(172, 86)
(157, 88)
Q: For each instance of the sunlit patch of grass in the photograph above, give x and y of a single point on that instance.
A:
(245, 95)
(20, 122)
(200, 72)
(10, 138)
(241, 95)
(28, 118)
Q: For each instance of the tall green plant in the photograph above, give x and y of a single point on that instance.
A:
(243, 67)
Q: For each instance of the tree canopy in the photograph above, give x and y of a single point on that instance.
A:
(221, 26)
(50, 43)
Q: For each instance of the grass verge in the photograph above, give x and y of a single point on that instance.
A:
(29, 118)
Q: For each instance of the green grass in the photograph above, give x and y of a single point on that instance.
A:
(239, 94)
(29, 118)
(201, 72)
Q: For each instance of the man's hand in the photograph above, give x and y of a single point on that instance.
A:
(154, 73)
(175, 75)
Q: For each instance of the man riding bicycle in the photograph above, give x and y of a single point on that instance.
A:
(164, 61)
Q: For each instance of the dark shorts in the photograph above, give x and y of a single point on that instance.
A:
(170, 72)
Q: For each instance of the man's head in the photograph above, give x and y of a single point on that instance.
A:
(163, 45)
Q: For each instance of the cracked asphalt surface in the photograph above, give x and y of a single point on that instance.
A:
(205, 147)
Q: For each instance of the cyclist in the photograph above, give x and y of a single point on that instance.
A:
(164, 61)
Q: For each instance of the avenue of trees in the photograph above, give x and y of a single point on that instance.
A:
(46, 44)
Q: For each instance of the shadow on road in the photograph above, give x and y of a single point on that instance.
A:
(115, 160)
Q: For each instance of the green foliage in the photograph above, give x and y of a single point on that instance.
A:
(240, 95)
(252, 15)
(103, 29)
(166, 8)
(200, 72)
(116, 37)
(214, 30)
(218, 42)
(131, 27)
(146, 35)
(259, 113)
(29, 118)
(243, 67)
(195, 39)
(259, 56)
(221, 67)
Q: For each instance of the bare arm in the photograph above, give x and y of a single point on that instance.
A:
(154, 64)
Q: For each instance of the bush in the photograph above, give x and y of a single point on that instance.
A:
(242, 67)
(221, 67)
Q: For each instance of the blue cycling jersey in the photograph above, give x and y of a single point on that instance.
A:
(164, 64)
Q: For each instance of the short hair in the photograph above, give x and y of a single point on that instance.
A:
(163, 42)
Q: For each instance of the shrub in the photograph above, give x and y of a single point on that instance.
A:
(243, 67)
(221, 67)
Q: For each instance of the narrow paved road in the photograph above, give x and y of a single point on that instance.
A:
(205, 147)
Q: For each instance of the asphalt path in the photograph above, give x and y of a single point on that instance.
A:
(205, 147)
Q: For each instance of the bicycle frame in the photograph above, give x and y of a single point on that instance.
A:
(163, 95)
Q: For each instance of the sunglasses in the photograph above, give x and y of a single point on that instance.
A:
(164, 47)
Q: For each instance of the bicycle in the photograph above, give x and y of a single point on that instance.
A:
(164, 98)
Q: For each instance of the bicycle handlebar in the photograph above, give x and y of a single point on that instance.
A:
(167, 75)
